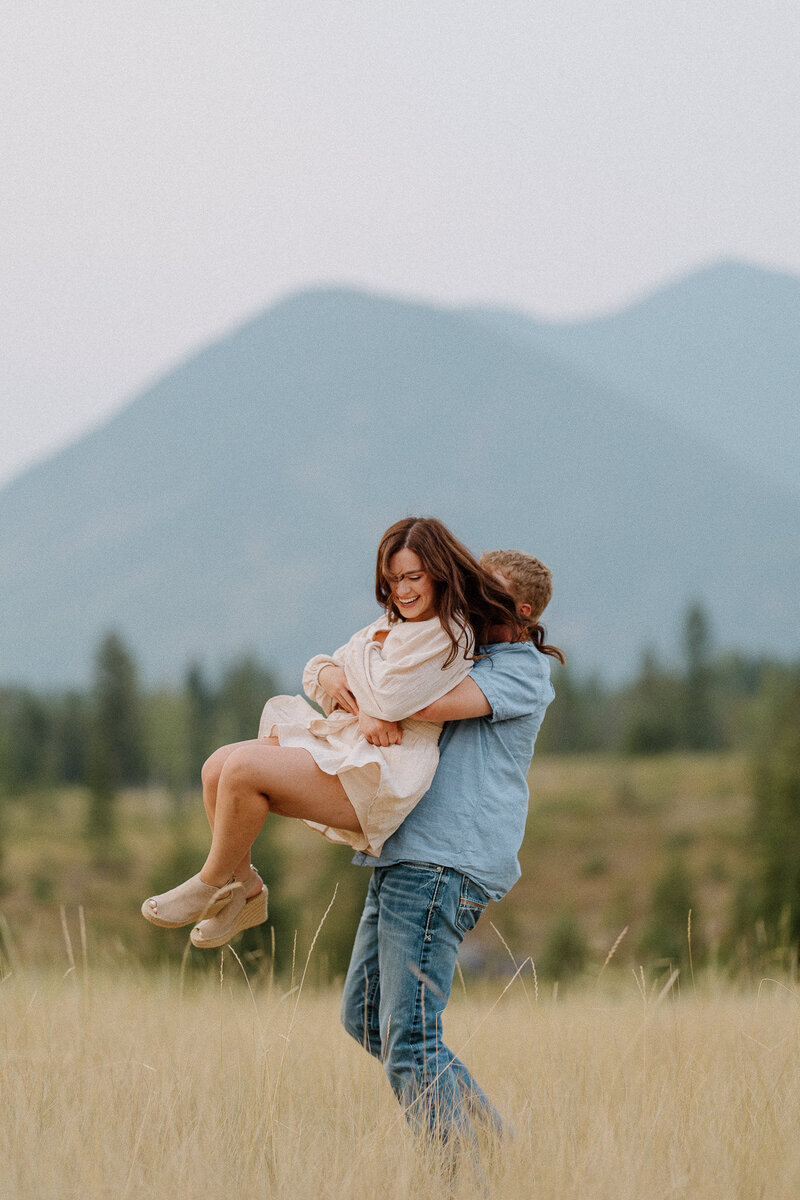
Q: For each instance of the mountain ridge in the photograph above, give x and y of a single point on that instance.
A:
(708, 350)
(236, 503)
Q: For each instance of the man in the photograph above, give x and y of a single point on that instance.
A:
(454, 852)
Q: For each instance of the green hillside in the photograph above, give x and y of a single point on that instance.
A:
(601, 832)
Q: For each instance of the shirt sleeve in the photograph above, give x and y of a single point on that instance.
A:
(514, 684)
(394, 680)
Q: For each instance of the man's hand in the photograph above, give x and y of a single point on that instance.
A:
(378, 732)
(333, 680)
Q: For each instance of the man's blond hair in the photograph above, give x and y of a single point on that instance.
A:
(530, 581)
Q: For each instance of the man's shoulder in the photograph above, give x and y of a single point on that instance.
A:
(515, 679)
(515, 657)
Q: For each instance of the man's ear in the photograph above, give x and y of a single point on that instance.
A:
(524, 610)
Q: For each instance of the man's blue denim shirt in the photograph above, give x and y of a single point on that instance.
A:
(473, 815)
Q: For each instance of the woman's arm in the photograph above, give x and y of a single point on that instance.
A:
(406, 673)
(333, 682)
(312, 684)
(324, 680)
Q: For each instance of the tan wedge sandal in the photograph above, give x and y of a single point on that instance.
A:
(189, 902)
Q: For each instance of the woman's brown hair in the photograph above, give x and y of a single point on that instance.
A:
(466, 597)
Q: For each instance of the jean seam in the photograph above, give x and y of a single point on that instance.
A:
(425, 950)
(369, 1002)
(432, 908)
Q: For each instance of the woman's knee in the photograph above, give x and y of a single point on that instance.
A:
(210, 772)
(240, 770)
(212, 768)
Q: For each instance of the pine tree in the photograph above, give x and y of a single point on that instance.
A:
(116, 742)
(651, 710)
(4, 781)
(244, 689)
(777, 816)
(574, 719)
(30, 727)
(71, 736)
(200, 718)
(700, 726)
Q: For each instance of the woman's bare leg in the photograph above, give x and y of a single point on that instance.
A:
(261, 777)
(210, 776)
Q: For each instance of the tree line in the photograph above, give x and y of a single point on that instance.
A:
(117, 733)
(703, 699)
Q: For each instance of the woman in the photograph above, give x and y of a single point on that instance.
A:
(438, 604)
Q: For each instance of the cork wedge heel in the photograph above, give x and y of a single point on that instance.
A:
(237, 916)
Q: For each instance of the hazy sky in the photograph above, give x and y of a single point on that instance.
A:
(169, 167)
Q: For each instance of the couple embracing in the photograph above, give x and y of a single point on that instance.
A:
(420, 764)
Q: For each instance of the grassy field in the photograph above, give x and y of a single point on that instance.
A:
(132, 1066)
(601, 831)
(135, 1085)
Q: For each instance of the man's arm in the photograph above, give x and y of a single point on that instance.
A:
(465, 700)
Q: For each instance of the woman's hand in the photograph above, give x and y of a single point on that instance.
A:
(378, 732)
(333, 680)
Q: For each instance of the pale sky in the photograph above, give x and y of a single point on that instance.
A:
(171, 167)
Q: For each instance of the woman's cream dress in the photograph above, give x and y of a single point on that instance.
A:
(391, 680)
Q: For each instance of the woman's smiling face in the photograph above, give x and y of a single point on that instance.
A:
(413, 590)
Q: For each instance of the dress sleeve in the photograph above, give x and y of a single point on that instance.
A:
(311, 684)
(394, 680)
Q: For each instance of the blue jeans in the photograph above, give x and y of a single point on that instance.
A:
(398, 983)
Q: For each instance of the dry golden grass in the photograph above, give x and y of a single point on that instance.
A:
(118, 1081)
(136, 1085)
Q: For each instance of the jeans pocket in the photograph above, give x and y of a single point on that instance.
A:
(472, 903)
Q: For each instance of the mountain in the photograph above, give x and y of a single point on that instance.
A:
(237, 504)
(719, 352)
